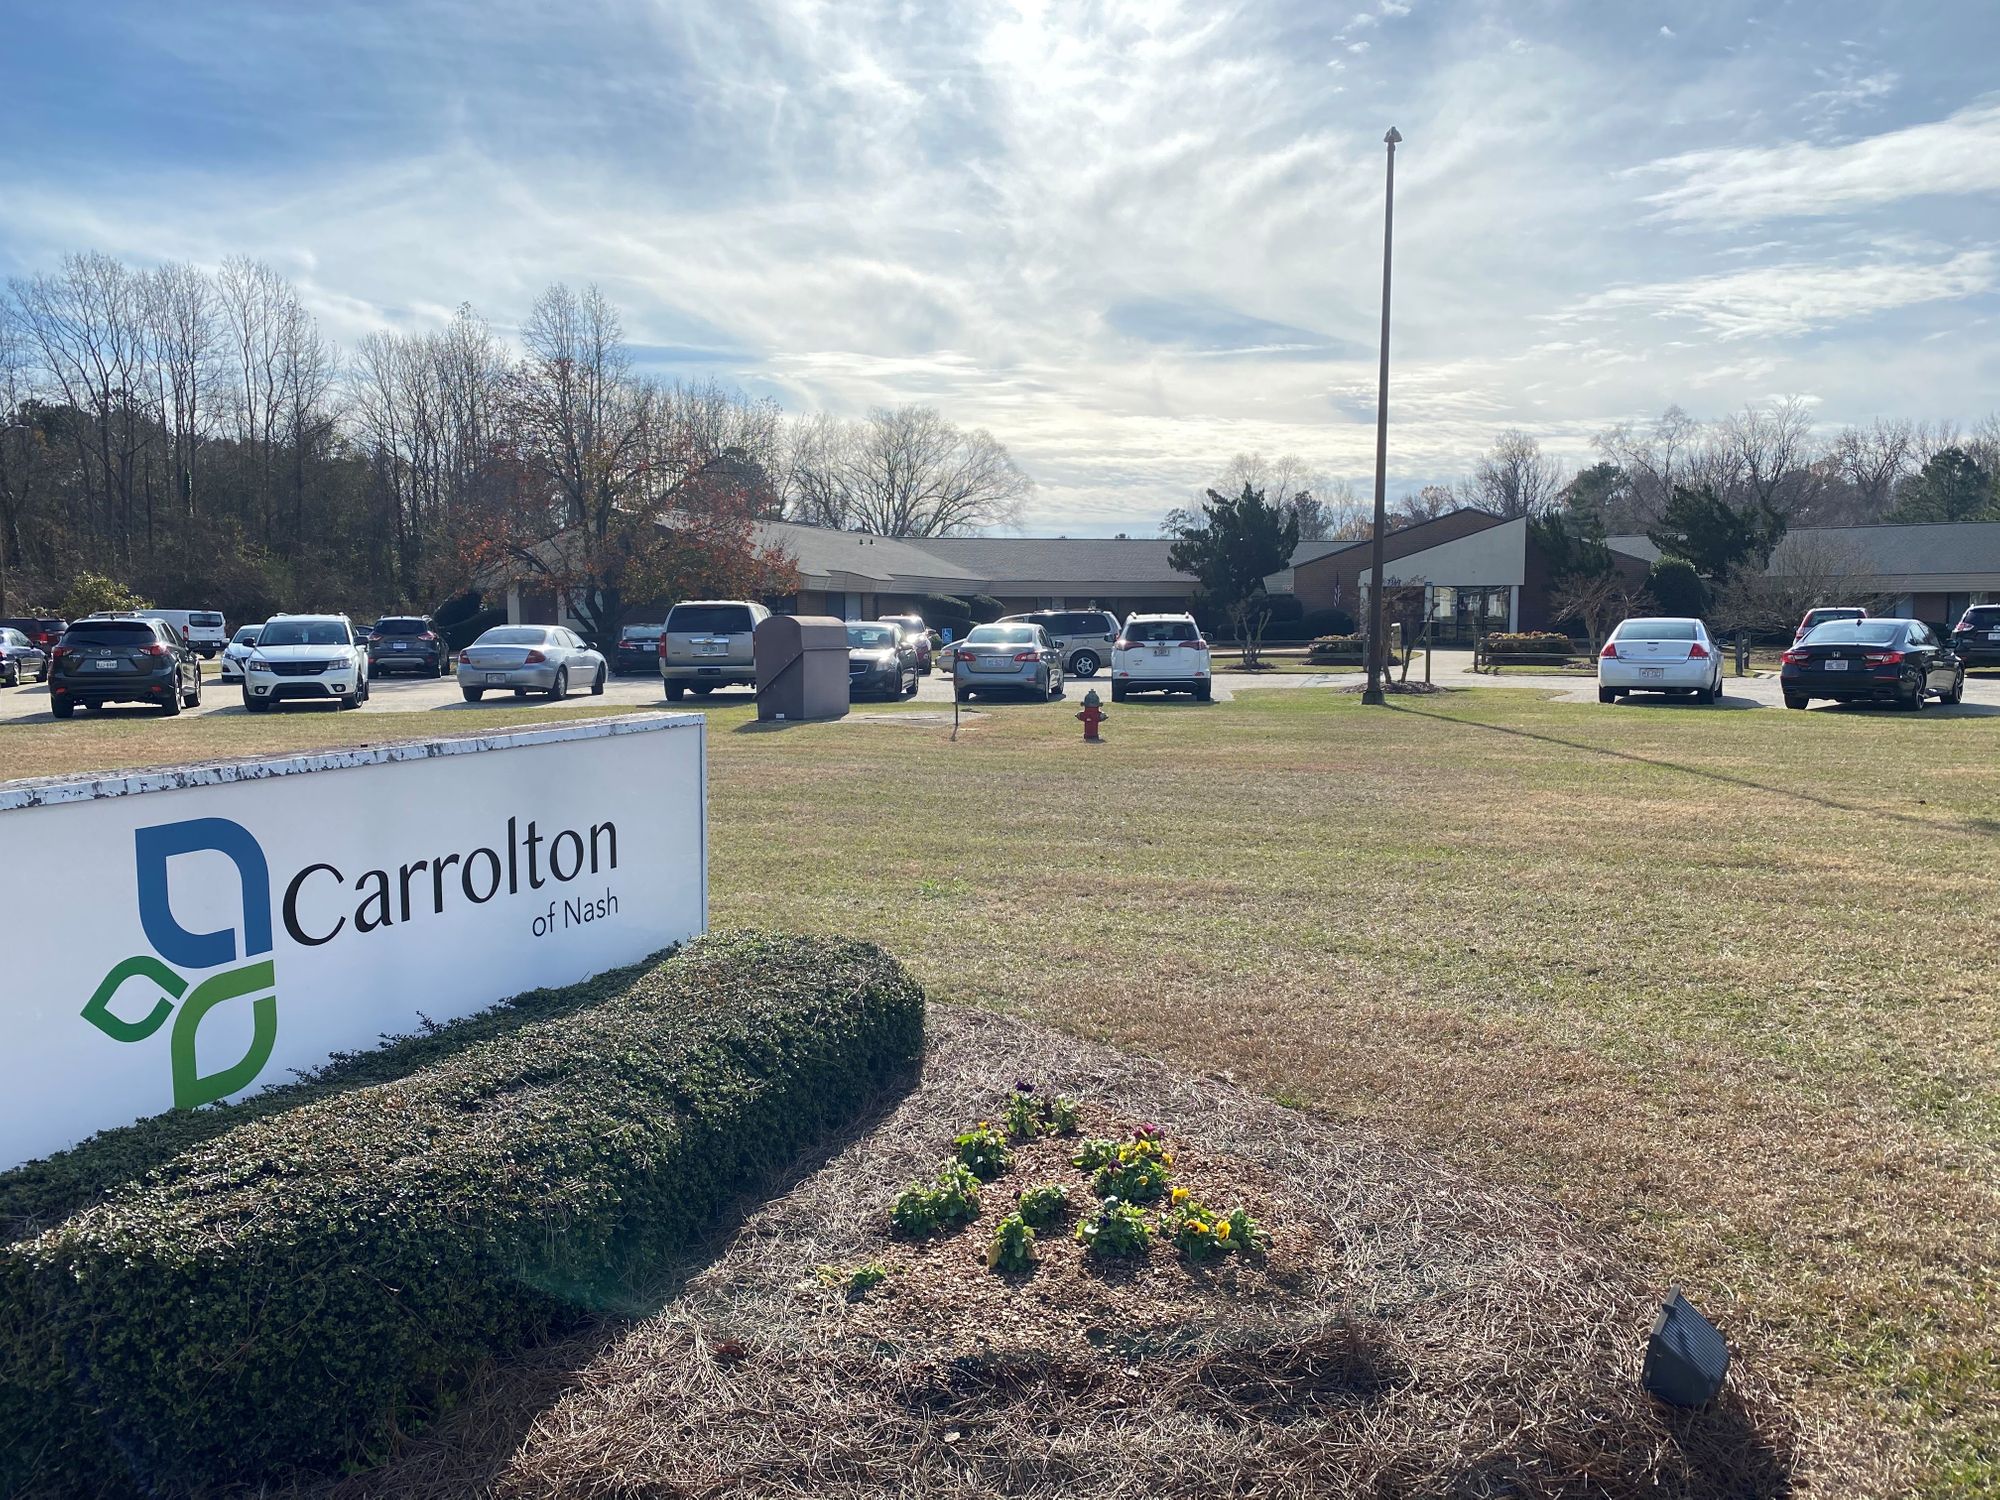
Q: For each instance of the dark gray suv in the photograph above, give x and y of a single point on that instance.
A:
(123, 661)
(1084, 636)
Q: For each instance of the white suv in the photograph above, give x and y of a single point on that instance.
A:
(1163, 654)
(305, 656)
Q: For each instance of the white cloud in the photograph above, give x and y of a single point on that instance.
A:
(1785, 300)
(1740, 184)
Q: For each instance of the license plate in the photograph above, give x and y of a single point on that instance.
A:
(402, 645)
(984, 665)
(105, 666)
(1163, 650)
(1835, 666)
(496, 676)
(711, 648)
(1652, 672)
(1993, 635)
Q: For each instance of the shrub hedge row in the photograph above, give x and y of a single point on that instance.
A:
(1529, 643)
(285, 1295)
(40, 1194)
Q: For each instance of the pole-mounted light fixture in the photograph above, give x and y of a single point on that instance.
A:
(1377, 634)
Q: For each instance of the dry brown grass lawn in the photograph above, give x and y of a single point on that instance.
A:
(1724, 984)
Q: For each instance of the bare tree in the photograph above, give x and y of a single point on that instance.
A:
(1599, 600)
(1772, 457)
(1654, 459)
(255, 306)
(1872, 461)
(182, 319)
(1427, 504)
(1515, 478)
(1807, 570)
(905, 471)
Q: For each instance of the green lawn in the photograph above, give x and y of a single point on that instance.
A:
(1727, 984)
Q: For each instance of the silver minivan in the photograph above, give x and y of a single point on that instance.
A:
(1085, 636)
(706, 645)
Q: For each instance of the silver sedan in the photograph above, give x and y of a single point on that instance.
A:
(529, 659)
(1007, 658)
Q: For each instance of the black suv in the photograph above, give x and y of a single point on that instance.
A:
(123, 661)
(407, 643)
(1976, 637)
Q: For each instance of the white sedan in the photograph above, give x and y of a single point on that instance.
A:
(1673, 656)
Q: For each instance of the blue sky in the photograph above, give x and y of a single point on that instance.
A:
(1130, 239)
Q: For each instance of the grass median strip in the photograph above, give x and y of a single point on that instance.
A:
(1726, 984)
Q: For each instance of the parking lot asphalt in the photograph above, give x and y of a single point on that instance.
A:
(30, 702)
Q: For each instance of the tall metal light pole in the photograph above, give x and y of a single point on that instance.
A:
(1376, 633)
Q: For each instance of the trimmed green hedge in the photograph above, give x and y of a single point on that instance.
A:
(40, 1194)
(283, 1296)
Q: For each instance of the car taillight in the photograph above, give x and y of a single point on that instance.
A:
(427, 636)
(1796, 658)
(1027, 656)
(1197, 644)
(1610, 651)
(62, 651)
(156, 649)
(533, 659)
(1121, 644)
(1884, 658)
(967, 656)
(1697, 650)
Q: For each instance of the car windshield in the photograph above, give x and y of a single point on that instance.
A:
(206, 618)
(1856, 633)
(1656, 630)
(515, 635)
(642, 632)
(710, 619)
(1160, 630)
(1821, 616)
(1001, 635)
(1984, 616)
(110, 633)
(247, 636)
(304, 633)
(871, 637)
(400, 627)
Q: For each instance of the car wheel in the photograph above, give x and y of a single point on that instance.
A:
(560, 687)
(473, 695)
(13, 678)
(1957, 693)
(62, 708)
(193, 700)
(597, 684)
(673, 692)
(1793, 700)
(173, 704)
(520, 692)
(1913, 700)
(911, 690)
(43, 676)
(1117, 692)
(1084, 664)
(1607, 695)
(1204, 692)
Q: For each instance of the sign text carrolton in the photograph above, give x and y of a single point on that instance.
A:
(197, 934)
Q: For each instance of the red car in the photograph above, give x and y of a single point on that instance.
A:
(917, 634)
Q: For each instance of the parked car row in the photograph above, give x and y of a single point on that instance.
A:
(1841, 654)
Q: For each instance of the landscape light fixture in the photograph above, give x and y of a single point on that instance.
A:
(1685, 1356)
(1373, 693)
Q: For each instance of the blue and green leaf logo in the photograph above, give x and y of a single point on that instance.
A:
(242, 954)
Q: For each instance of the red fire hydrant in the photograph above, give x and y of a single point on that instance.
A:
(1092, 716)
